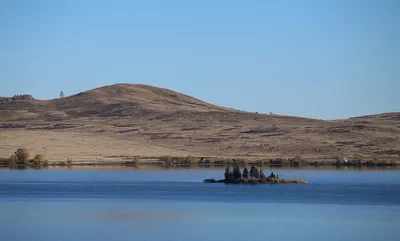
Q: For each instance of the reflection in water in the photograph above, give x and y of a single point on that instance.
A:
(144, 215)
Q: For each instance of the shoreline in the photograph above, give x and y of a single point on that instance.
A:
(194, 165)
(22, 158)
(144, 167)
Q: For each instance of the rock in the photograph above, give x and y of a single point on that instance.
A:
(210, 180)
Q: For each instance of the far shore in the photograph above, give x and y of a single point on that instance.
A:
(158, 164)
(22, 158)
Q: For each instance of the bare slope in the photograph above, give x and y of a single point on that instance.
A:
(120, 100)
(144, 120)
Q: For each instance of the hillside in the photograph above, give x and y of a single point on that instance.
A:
(121, 100)
(129, 120)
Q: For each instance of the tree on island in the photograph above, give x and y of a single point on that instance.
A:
(254, 172)
(236, 173)
(228, 173)
(234, 177)
(262, 175)
(245, 173)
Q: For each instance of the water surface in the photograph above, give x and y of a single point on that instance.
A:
(129, 204)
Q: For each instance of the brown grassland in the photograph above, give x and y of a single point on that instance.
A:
(124, 121)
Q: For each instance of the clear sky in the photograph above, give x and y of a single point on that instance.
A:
(319, 59)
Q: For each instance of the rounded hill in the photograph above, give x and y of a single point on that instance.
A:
(119, 100)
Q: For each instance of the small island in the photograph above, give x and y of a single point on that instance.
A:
(254, 176)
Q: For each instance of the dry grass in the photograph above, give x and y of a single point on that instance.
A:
(135, 120)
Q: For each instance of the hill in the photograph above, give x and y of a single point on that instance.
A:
(120, 100)
(128, 120)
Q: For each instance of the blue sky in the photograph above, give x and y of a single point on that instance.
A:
(319, 59)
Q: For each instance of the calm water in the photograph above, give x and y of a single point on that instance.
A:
(130, 204)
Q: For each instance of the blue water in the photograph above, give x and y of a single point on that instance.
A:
(174, 205)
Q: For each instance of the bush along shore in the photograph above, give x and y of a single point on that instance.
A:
(253, 176)
(338, 161)
(21, 158)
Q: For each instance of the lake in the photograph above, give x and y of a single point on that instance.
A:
(173, 204)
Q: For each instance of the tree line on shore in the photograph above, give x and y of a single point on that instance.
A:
(297, 161)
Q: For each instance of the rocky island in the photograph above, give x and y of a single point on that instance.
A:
(255, 176)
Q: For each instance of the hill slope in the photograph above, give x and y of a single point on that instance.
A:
(118, 100)
(127, 120)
